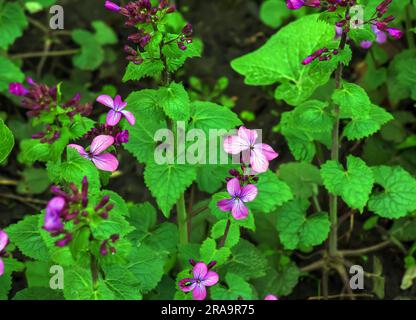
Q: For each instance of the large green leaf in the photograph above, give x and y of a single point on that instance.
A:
(399, 195)
(12, 23)
(7, 141)
(353, 185)
(279, 60)
(9, 73)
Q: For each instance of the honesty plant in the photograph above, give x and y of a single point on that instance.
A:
(221, 231)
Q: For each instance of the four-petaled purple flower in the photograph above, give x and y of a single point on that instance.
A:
(257, 154)
(203, 277)
(106, 161)
(239, 196)
(4, 241)
(117, 105)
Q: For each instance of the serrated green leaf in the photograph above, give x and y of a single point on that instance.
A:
(167, 182)
(298, 230)
(149, 68)
(302, 178)
(399, 195)
(298, 82)
(233, 236)
(272, 192)
(122, 283)
(209, 252)
(175, 102)
(237, 288)
(38, 293)
(26, 236)
(353, 185)
(91, 55)
(12, 23)
(7, 141)
(313, 116)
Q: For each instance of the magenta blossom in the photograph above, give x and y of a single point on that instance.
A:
(4, 241)
(297, 4)
(117, 105)
(203, 277)
(106, 161)
(239, 196)
(271, 297)
(257, 154)
(18, 89)
(53, 221)
(112, 6)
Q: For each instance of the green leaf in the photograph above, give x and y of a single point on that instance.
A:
(277, 61)
(122, 283)
(149, 68)
(80, 284)
(12, 23)
(218, 230)
(33, 181)
(302, 178)
(273, 12)
(92, 54)
(353, 185)
(7, 141)
(209, 252)
(313, 115)
(103, 33)
(247, 261)
(167, 182)
(147, 266)
(399, 195)
(74, 170)
(26, 236)
(175, 102)
(175, 57)
(38, 293)
(298, 230)
(272, 192)
(37, 273)
(352, 100)
(9, 73)
(80, 127)
(208, 115)
(237, 288)
(5, 285)
(145, 105)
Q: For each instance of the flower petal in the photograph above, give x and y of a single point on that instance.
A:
(249, 136)
(113, 117)
(235, 145)
(101, 143)
(106, 162)
(119, 104)
(233, 187)
(267, 150)
(79, 148)
(210, 279)
(1, 267)
(200, 271)
(239, 211)
(187, 284)
(129, 116)
(258, 161)
(199, 293)
(225, 204)
(248, 193)
(271, 297)
(4, 240)
(106, 100)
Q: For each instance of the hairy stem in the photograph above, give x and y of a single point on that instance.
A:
(224, 238)
(182, 220)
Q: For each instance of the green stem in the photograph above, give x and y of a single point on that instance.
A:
(409, 34)
(182, 220)
(224, 238)
(94, 271)
(333, 199)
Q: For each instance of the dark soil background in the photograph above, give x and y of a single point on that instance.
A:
(229, 29)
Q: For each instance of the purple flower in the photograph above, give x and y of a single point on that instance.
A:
(297, 4)
(258, 155)
(239, 196)
(17, 89)
(117, 105)
(53, 221)
(381, 38)
(106, 161)
(202, 278)
(271, 297)
(395, 33)
(4, 241)
(112, 6)
(122, 137)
